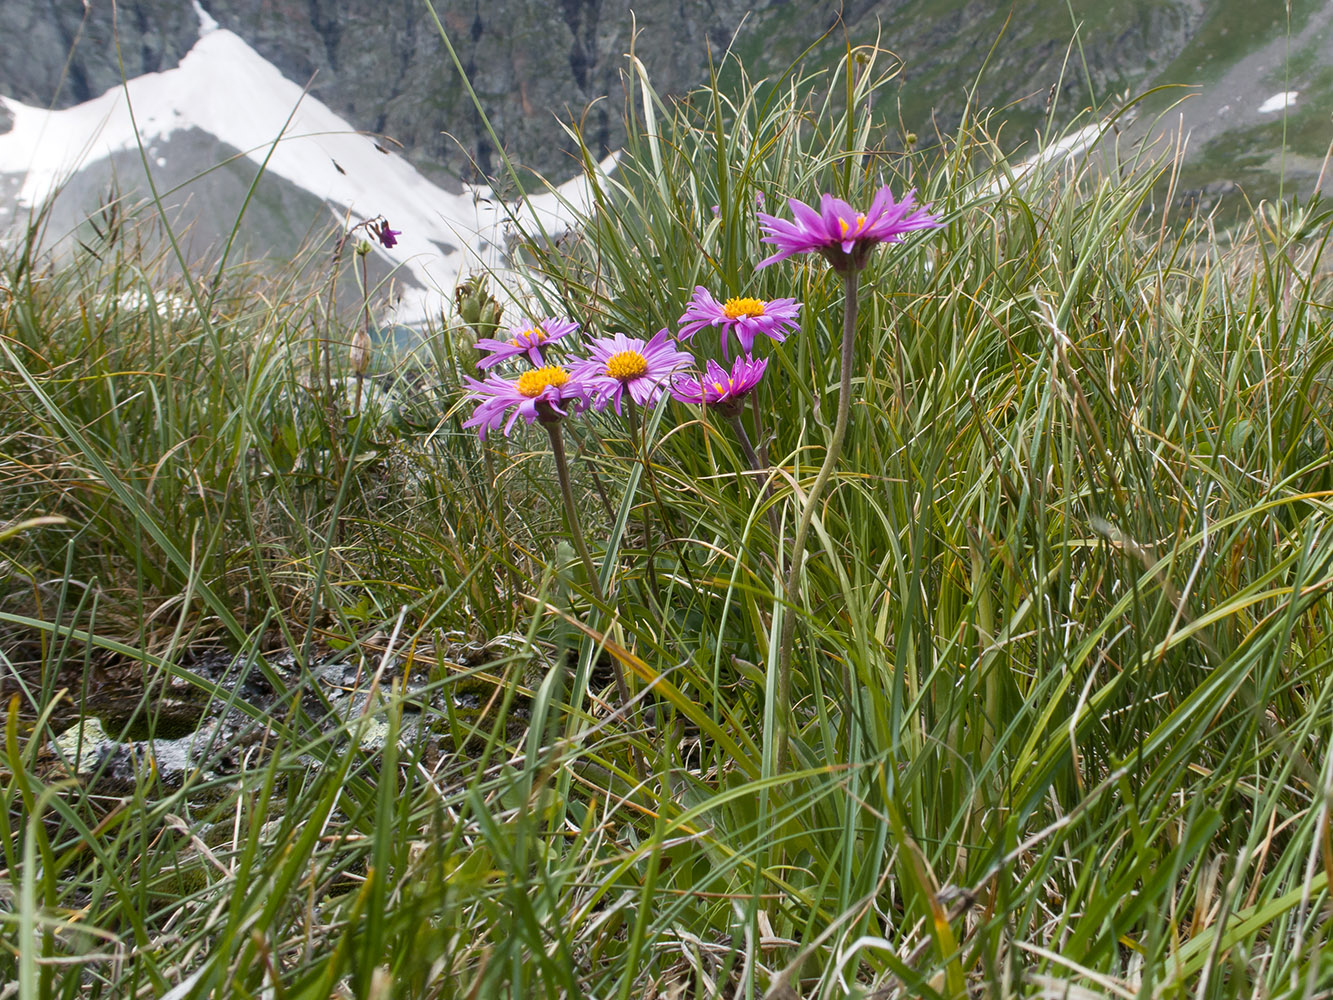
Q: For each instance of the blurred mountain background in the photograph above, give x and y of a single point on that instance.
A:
(1254, 80)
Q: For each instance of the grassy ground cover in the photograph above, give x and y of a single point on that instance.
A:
(1060, 692)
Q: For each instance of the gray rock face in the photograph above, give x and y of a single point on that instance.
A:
(198, 205)
(383, 66)
(38, 36)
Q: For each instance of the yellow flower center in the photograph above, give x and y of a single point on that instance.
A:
(626, 365)
(736, 308)
(860, 221)
(533, 383)
(529, 337)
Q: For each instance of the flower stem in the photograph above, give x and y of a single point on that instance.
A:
(576, 532)
(759, 429)
(782, 699)
(571, 511)
(498, 512)
(365, 310)
(751, 456)
(641, 452)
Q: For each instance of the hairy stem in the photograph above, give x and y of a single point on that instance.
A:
(365, 313)
(751, 456)
(782, 700)
(576, 532)
(637, 440)
(571, 510)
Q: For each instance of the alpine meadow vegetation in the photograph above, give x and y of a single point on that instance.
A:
(844, 566)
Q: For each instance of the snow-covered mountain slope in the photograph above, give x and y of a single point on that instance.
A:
(225, 90)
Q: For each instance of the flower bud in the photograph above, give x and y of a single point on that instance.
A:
(470, 310)
(464, 343)
(477, 307)
(489, 321)
(359, 355)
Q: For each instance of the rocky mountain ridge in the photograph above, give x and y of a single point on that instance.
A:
(382, 65)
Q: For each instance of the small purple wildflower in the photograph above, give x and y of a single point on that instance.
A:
(745, 316)
(387, 237)
(529, 339)
(721, 388)
(538, 394)
(843, 235)
(619, 363)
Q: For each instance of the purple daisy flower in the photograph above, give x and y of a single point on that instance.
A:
(842, 234)
(745, 316)
(526, 339)
(720, 388)
(537, 394)
(618, 363)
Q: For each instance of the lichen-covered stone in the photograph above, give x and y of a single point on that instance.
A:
(447, 706)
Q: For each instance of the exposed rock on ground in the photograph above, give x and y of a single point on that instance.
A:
(231, 713)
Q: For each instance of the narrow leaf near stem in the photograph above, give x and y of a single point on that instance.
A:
(751, 456)
(641, 452)
(552, 425)
(571, 511)
(365, 312)
(782, 696)
(759, 429)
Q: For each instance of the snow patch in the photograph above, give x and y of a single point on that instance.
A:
(1279, 102)
(206, 22)
(225, 88)
(1057, 153)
